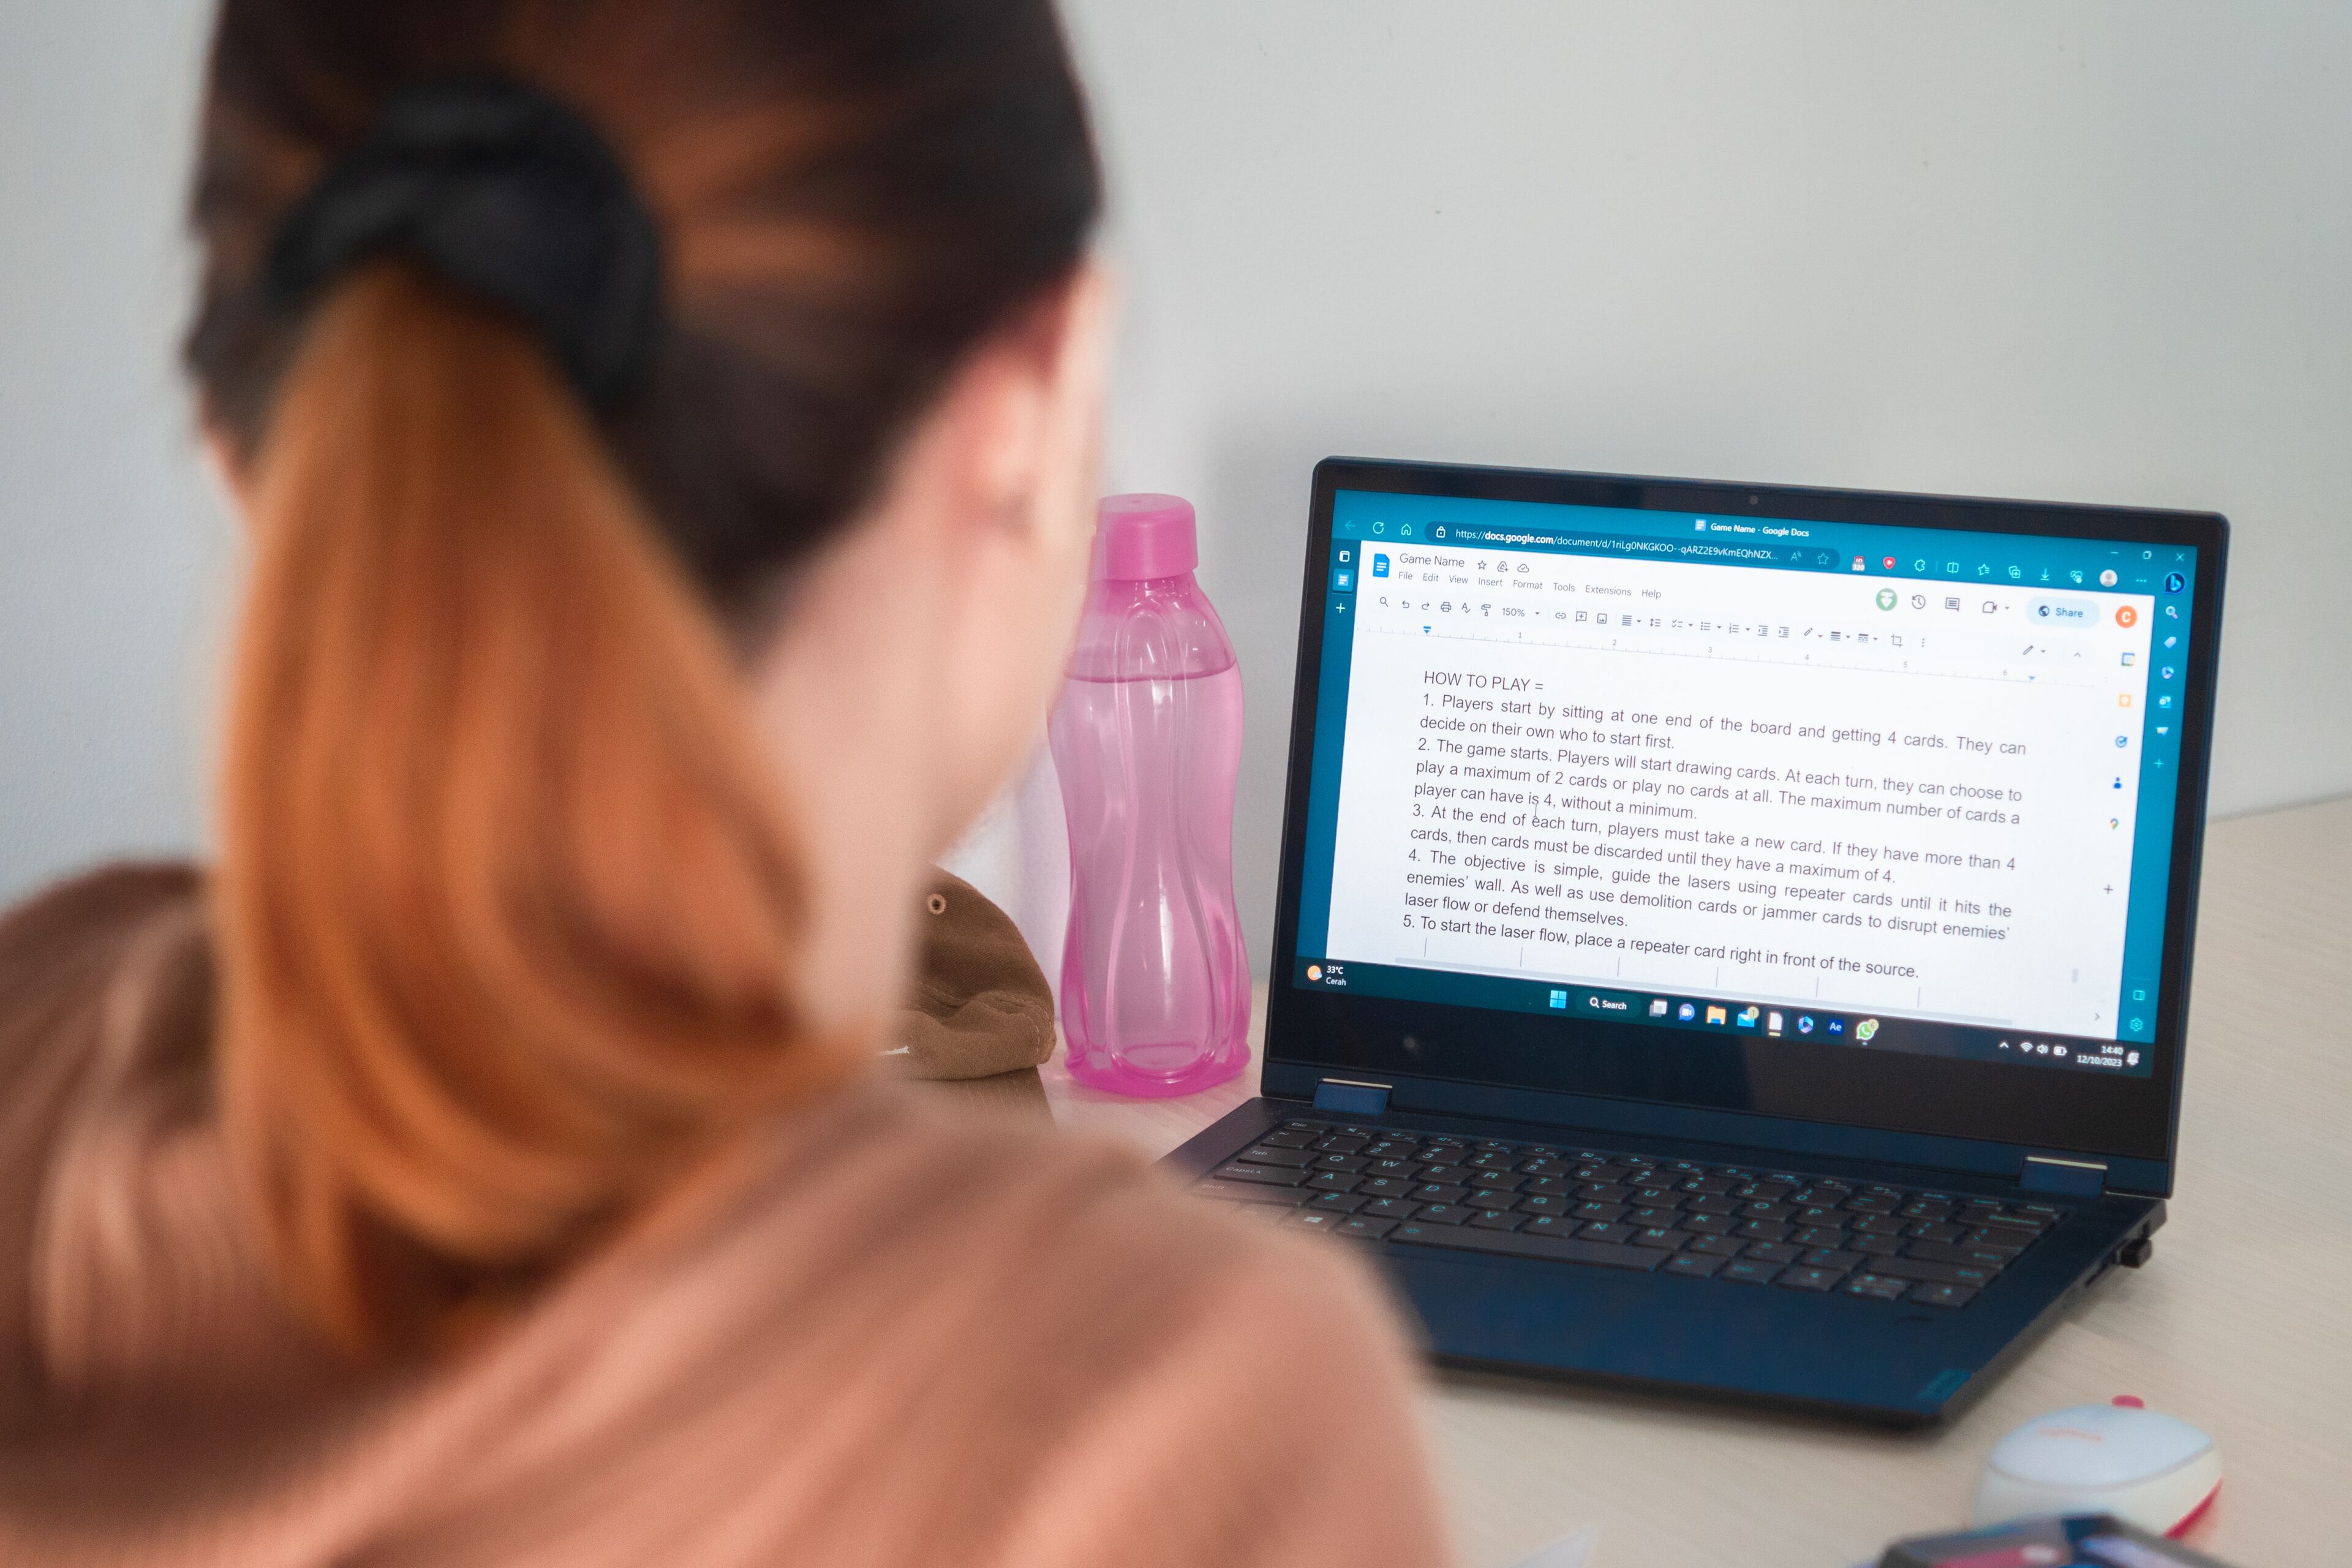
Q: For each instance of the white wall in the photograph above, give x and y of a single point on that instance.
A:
(2083, 252)
(2095, 252)
(113, 554)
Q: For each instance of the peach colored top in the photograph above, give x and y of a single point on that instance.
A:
(879, 1337)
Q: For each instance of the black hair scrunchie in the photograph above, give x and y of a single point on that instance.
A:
(508, 195)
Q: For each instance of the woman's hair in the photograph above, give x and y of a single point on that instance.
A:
(507, 909)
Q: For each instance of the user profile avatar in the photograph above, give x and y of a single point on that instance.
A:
(2107, 578)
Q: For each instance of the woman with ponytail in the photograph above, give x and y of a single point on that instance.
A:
(665, 430)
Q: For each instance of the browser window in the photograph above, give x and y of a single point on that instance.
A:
(1890, 788)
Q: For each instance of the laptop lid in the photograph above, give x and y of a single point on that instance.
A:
(1863, 823)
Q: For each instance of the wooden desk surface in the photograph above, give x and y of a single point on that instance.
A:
(2239, 1323)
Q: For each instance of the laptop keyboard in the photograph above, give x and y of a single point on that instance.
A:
(1725, 1223)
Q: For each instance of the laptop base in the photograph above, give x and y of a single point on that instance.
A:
(1621, 1321)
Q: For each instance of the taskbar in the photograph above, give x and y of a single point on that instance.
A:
(1722, 1016)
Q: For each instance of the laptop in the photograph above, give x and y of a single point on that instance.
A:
(1733, 939)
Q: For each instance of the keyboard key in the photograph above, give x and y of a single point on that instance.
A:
(1332, 1181)
(1549, 1186)
(1241, 1193)
(2006, 1241)
(1540, 1205)
(1266, 1175)
(1387, 1187)
(1708, 1224)
(1924, 1210)
(1831, 1258)
(1350, 1163)
(1647, 1217)
(1316, 1219)
(1920, 1268)
(1442, 1213)
(1820, 1235)
(2022, 1223)
(1497, 1219)
(1520, 1243)
(1979, 1257)
(1550, 1169)
(1773, 1252)
(1717, 1185)
(1491, 1198)
(1942, 1295)
(1663, 1238)
(1805, 1279)
(2044, 1212)
(1270, 1154)
(1439, 1192)
(1343, 1145)
(1601, 1193)
(1697, 1265)
(1876, 1246)
(1552, 1225)
(1606, 1232)
(1879, 1225)
(1712, 1205)
(1598, 1211)
(1367, 1230)
(1748, 1271)
(1764, 1230)
(1339, 1203)
(1718, 1246)
(1878, 1287)
(1389, 1209)
(1285, 1139)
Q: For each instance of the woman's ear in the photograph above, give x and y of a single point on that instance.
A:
(1031, 406)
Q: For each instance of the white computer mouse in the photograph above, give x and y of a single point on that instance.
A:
(2149, 1469)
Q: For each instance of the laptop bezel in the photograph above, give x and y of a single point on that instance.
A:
(1828, 1099)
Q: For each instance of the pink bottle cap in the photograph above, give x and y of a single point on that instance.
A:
(1141, 537)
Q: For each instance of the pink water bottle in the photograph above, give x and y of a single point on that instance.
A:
(1148, 740)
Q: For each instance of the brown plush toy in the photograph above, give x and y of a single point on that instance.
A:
(982, 1006)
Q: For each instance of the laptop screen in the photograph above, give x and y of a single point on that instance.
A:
(1889, 789)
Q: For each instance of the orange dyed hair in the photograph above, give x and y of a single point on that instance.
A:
(507, 911)
(506, 908)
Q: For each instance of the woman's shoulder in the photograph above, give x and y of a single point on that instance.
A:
(95, 950)
(1019, 1206)
(1080, 1360)
(87, 919)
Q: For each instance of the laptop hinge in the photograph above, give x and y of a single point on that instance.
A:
(2065, 1178)
(1351, 1097)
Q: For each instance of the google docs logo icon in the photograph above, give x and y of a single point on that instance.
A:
(1379, 565)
